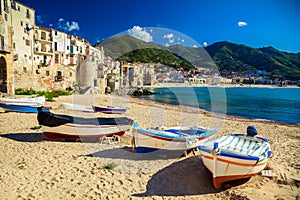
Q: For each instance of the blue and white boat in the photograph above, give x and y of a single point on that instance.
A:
(26, 105)
(178, 138)
(236, 156)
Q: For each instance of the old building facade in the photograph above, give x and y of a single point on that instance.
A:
(41, 58)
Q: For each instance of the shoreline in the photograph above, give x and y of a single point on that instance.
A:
(33, 167)
(163, 85)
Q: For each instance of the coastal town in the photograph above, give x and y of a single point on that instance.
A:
(224, 126)
(33, 57)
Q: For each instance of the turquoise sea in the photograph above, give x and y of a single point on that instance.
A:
(275, 104)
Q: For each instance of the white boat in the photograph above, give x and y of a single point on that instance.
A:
(27, 105)
(236, 156)
(84, 108)
(76, 107)
(180, 138)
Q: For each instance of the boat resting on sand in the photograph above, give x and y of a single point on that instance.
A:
(84, 108)
(180, 138)
(236, 156)
(26, 105)
(109, 110)
(58, 126)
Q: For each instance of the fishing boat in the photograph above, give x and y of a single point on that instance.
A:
(109, 110)
(84, 108)
(236, 156)
(57, 126)
(180, 138)
(26, 105)
(76, 107)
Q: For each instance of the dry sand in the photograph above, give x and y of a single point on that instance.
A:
(33, 167)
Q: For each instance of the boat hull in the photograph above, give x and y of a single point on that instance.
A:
(235, 157)
(69, 131)
(26, 105)
(149, 141)
(25, 108)
(108, 110)
(229, 169)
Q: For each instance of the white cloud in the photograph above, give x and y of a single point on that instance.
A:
(140, 33)
(205, 44)
(68, 26)
(182, 40)
(242, 23)
(195, 46)
(170, 37)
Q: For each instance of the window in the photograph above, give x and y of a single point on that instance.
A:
(14, 45)
(5, 6)
(43, 35)
(67, 47)
(43, 47)
(27, 42)
(24, 70)
(27, 14)
(47, 73)
(2, 44)
(56, 58)
(5, 17)
(21, 23)
(55, 33)
(55, 46)
(13, 5)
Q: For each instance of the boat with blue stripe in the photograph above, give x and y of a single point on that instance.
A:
(235, 156)
(25, 105)
(177, 138)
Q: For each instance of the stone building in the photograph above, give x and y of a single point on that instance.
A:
(41, 58)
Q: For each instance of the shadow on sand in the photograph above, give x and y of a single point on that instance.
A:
(24, 137)
(185, 177)
(38, 137)
(127, 153)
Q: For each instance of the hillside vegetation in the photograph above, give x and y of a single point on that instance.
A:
(221, 55)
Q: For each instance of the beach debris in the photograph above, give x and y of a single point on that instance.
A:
(110, 140)
(268, 173)
(21, 164)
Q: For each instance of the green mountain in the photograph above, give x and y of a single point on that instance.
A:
(119, 45)
(239, 58)
(220, 55)
(151, 55)
(130, 49)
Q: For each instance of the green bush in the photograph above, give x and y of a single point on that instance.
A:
(110, 166)
(48, 95)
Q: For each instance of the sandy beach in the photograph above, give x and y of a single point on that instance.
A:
(34, 167)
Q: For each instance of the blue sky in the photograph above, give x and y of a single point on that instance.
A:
(256, 23)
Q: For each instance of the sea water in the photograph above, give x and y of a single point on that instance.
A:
(275, 104)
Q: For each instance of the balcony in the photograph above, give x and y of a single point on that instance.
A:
(43, 38)
(43, 51)
(5, 48)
